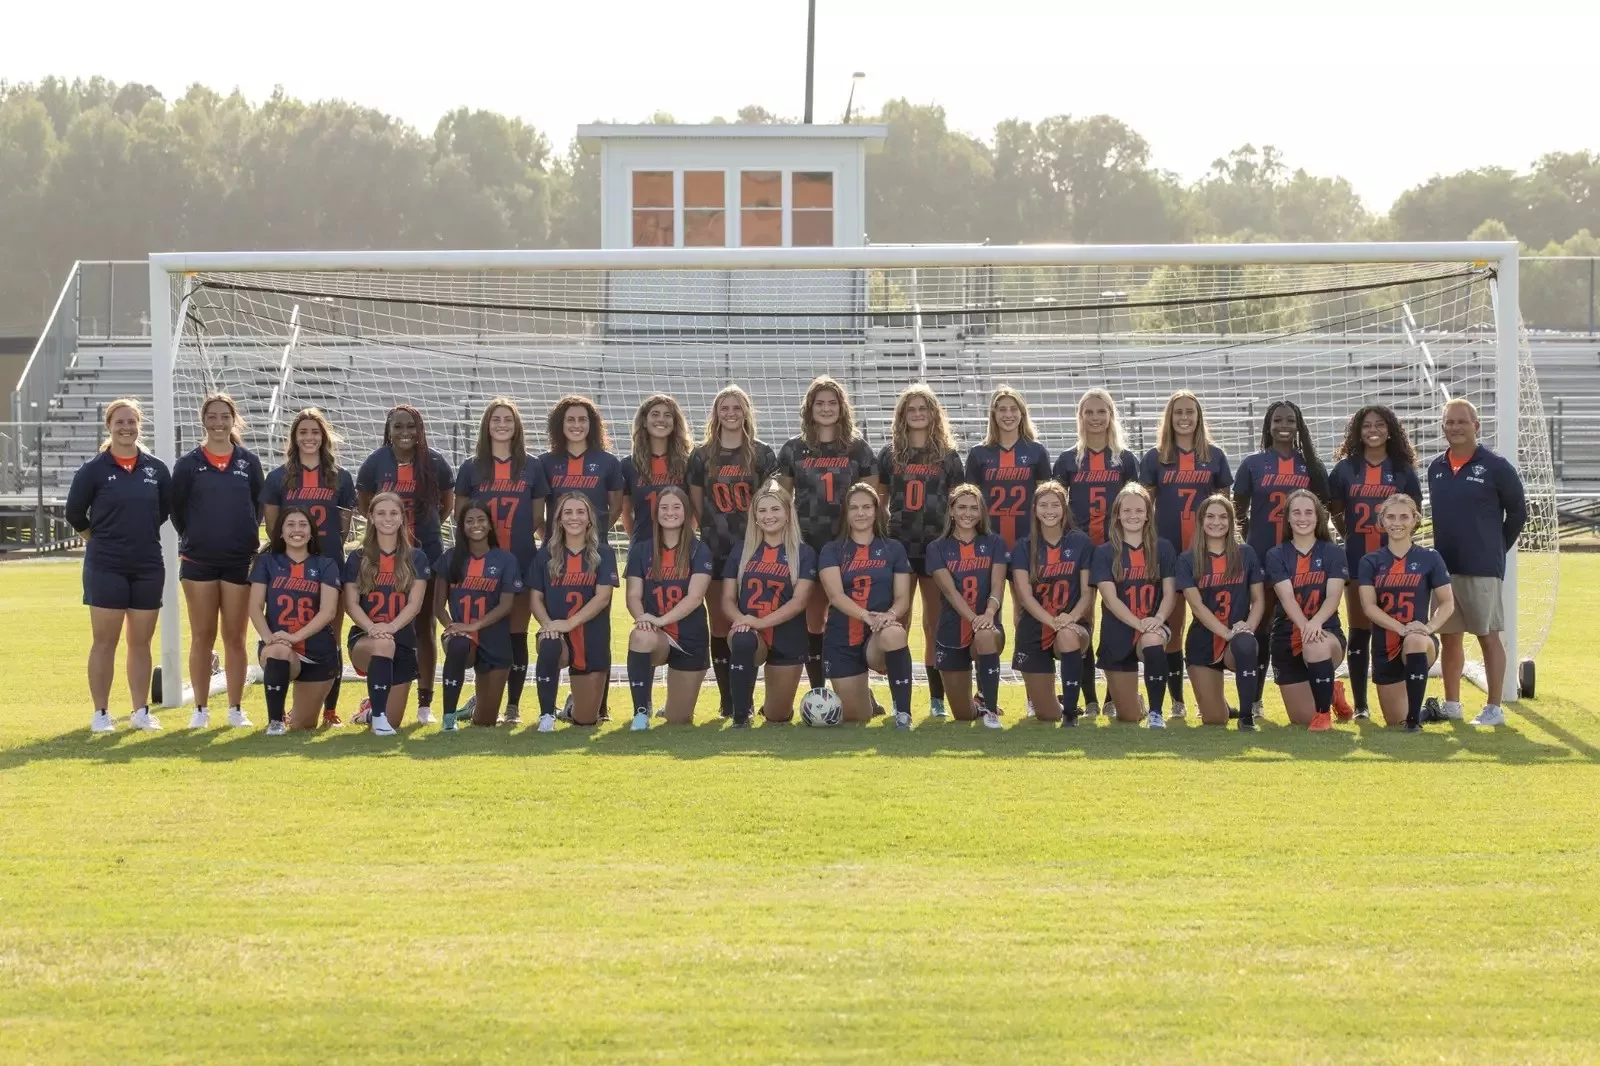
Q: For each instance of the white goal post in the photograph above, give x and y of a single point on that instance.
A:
(1237, 322)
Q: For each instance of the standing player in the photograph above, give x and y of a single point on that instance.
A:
(1223, 581)
(724, 472)
(766, 584)
(118, 502)
(1406, 591)
(668, 574)
(916, 471)
(1183, 469)
(311, 477)
(1375, 461)
(969, 565)
(477, 585)
(1308, 574)
(294, 605)
(1008, 465)
(818, 466)
(385, 587)
(216, 509)
(868, 582)
(420, 478)
(1133, 571)
(511, 485)
(571, 579)
(580, 460)
(1050, 574)
(1479, 509)
(660, 458)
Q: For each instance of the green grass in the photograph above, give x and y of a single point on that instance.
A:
(783, 894)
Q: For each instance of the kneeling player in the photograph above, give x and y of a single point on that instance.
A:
(1134, 570)
(571, 580)
(968, 564)
(385, 585)
(868, 581)
(1223, 583)
(668, 573)
(1050, 575)
(771, 576)
(478, 584)
(1308, 572)
(1405, 590)
(300, 588)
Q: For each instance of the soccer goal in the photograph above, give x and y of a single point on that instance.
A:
(1329, 326)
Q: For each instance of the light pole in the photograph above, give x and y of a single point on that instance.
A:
(811, 52)
(855, 79)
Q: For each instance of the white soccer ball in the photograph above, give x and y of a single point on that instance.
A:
(820, 707)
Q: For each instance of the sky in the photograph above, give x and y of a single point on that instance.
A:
(1384, 94)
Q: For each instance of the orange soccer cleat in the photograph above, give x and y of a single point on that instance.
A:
(1341, 706)
(1320, 722)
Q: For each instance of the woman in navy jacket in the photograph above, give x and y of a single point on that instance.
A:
(118, 502)
(216, 509)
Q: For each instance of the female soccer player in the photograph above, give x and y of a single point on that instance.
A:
(724, 472)
(118, 502)
(311, 477)
(477, 586)
(511, 485)
(580, 460)
(1183, 469)
(1050, 574)
(420, 478)
(1308, 573)
(1405, 590)
(968, 563)
(1223, 581)
(660, 458)
(294, 606)
(216, 509)
(766, 584)
(1008, 465)
(818, 466)
(572, 578)
(868, 582)
(916, 471)
(385, 588)
(668, 574)
(1133, 571)
(1375, 461)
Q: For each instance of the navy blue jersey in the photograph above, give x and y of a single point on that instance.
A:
(970, 565)
(513, 498)
(1227, 598)
(487, 578)
(821, 475)
(1479, 509)
(325, 502)
(919, 495)
(595, 474)
(216, 506)
(726, 489)
(1092, 486)
(382, 472)
(642, 487)
(569, 591)
(1180, 487)
(1007, 477)
(663, 591)
(867, 572)
(386, 600)
(1404, 586)
(1309, 572)
(294, 597)
(1056, 579)
(766, 583)
(1360, 488)
(1139, 588)
(122, 509)
(1268, 478)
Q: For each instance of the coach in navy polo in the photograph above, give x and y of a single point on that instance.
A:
(1479, 509)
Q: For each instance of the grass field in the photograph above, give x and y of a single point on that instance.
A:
(854, 895)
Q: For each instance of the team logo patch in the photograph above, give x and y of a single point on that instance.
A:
(1477, 468)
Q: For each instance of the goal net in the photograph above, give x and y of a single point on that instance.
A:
(355, 334)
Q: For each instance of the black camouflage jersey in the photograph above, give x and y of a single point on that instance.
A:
(919, 495)
(821, 476)
(726, 491)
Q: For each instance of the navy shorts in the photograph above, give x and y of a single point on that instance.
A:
(958, 660)
(1200, 648)
(1386, 671)
(485, 657)
(323, 665)
(123, 590)
(1287, 667)
(232, 573)
(694, 658)
(844, 660)
(787, 644)
(1113, 658)
(405, 659)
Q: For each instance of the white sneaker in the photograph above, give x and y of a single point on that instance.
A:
(1176, 712)
(1155, 721)
(276, 729)
(1029, 712)
(991, 720)
(1451, 709)
(102, 723)
(902, 719)
(381, 726)
(143, 719)
(1492, 714)
(236, 718)
(547, 723)
(641, 720)
(200, 719)
(424, 715)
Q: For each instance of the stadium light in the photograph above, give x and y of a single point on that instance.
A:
(855, 79)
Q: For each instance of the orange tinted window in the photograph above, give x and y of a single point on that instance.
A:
(704, 229)
(812, 229)
(703, 188)
(761, 229)
(761, 188)
(813, 189)
(652, 229)
(652, 188)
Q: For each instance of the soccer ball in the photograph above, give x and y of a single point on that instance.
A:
(820, 707)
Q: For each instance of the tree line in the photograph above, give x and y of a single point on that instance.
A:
(91, 169)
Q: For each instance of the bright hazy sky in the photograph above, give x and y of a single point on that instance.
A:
(1386, 94)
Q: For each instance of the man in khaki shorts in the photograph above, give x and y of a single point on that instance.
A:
(1479, 509)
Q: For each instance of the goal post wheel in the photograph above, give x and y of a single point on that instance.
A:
(1526, 677)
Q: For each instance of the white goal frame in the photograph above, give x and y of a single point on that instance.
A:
(1502, 255)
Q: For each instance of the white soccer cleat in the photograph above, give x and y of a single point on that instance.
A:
(1176, 712)
(1108, 708)
(991, 720)
(102, 723)
(1492, 714)
(143, 719)
(363, 715)
(641, 720)
(1154, 720)
(424, 715)
(276, 729)
(236, 718)
(1451, 709)
(200, 719)
(1029, 712)
(902, 719)
(547, 723)
(381, 726)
